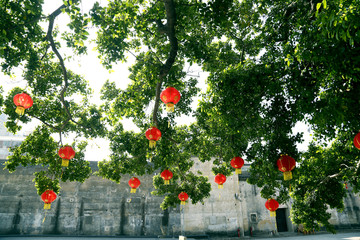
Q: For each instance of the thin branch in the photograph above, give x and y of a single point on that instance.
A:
(45, 123)
(172, 140)
(157, 102)
(53, 47)
(165, 68)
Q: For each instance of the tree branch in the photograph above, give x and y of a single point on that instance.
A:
(45, 123)
(165, 68)
(49, 36)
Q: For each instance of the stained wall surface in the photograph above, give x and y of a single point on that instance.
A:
(96, 207)
(102, 207)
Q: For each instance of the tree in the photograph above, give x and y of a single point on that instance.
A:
(272, 64)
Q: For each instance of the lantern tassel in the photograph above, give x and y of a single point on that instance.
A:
(152, 143)
(238, 171)
(287, 175)
(170, 107)
(65, 163)
(272, 213)
(44, 217)
(20, 110)
(133, 190)
(166, 182)
(47, 206)
(221, 186)
(183, 203)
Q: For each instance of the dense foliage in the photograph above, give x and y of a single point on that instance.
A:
(271, 64)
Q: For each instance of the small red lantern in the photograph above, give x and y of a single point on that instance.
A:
(22, 101)
(220, 179)
(272, 205)
(153, 134)
(134, 183)
(48, 197)
(166, 175)
(183, 197)
(237, 163)
(66, 153)
(170, 96)
(357, 141)
(285, 164)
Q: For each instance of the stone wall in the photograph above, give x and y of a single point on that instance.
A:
(102, 207)
(96, 207)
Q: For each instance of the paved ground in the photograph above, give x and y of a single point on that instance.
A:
(320, 236)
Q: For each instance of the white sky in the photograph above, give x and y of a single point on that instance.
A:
(89, 66)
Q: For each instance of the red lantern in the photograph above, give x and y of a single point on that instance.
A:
(66, 153)
(237, 163)
(166, 175)
(134, 183)
(153, 134)
(48, 197)
(285, 164)
(22, 101)
(220, 179)
(357, 141)
(170, 96)
(183, 197)
(272, 205)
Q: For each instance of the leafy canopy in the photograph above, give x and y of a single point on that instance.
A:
(271, 65)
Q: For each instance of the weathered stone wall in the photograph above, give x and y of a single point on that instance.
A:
(239, 207)
(96, 207)
(102, 207)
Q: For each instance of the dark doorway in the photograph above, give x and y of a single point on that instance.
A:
(281, 220)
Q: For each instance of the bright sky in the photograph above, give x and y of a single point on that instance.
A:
(89, 66)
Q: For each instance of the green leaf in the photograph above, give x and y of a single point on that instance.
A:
(318, 6)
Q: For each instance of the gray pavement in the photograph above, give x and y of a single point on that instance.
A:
(292, 236)
(318, 236)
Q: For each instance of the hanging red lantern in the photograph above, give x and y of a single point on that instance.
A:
(272, 205)
(237, 163)
(66, 153)
(153, 134)
(183, 197)
(357, 141)
(22, 101)
(166, 175)
(285, 164)
(220, 179)
(170, 96)
(48, 197)
(134, 183)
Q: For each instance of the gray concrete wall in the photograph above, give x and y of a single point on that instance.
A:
(239, 206)
(102, 207)
(96, 207)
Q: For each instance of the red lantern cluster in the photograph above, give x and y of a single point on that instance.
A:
(357, 141)
(166, 175)
(272, 205)
(66, 153)
(48, 197)
(170, 96)
(134, 183)
(22, 101)
(183, 197)
(153, 134)
(220, 179)
(285, 164)
(237, 163)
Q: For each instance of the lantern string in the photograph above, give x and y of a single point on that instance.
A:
(44, 217)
